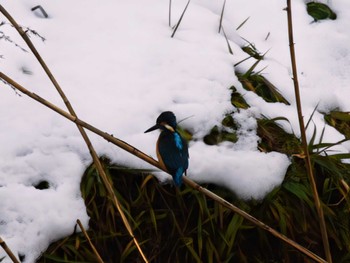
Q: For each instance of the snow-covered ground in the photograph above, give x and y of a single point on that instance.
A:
(120, 68)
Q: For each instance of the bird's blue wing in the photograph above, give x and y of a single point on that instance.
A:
(173, 150)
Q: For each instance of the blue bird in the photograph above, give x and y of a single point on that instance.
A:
(172, 149)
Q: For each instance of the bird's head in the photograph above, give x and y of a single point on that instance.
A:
(165, 121)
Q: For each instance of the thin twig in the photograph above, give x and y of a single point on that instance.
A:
(129, 148)
(8, 39)
(8, 251)
(227, 42)
(243, 23)
(319, 209)
(178, 23)
(222, 15)
(107, 183)
(170, 5)
(41, 9)
(99, 259)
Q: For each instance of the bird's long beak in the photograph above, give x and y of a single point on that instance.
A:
(157, 126)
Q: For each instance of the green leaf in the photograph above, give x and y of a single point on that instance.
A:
(320, 11)
(299, 190)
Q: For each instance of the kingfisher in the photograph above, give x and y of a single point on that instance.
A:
(172, 149)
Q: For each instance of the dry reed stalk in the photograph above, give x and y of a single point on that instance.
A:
(8, 251)
(99, 259)
(170, 13)
(310, 173)
(345, 185)
(222, 16)
(93, 153)
(179, 22)
(129, 148)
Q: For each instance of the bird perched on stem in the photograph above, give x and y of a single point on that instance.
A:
(172, 149)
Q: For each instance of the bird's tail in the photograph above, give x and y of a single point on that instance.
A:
(178, 177)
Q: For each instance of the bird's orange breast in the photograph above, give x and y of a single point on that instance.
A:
(160, 160)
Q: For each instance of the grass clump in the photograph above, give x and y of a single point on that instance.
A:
(172, 225)
(261, 86)
(340, 121)
(255, 82)
(228, 128)
(226, 132)
(275, 138)
(175, 225)
(218, 135)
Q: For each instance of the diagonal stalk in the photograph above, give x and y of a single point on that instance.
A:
(106, 182)
(99, 259)
(8, 251)
(182, 15)
(131, 149)
(310, 173)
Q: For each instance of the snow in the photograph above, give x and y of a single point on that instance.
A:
(120, 69)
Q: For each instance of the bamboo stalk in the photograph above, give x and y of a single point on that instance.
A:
(93, 153)
(8, 251)
(319, 209)
(129, 148)
(99, 259)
